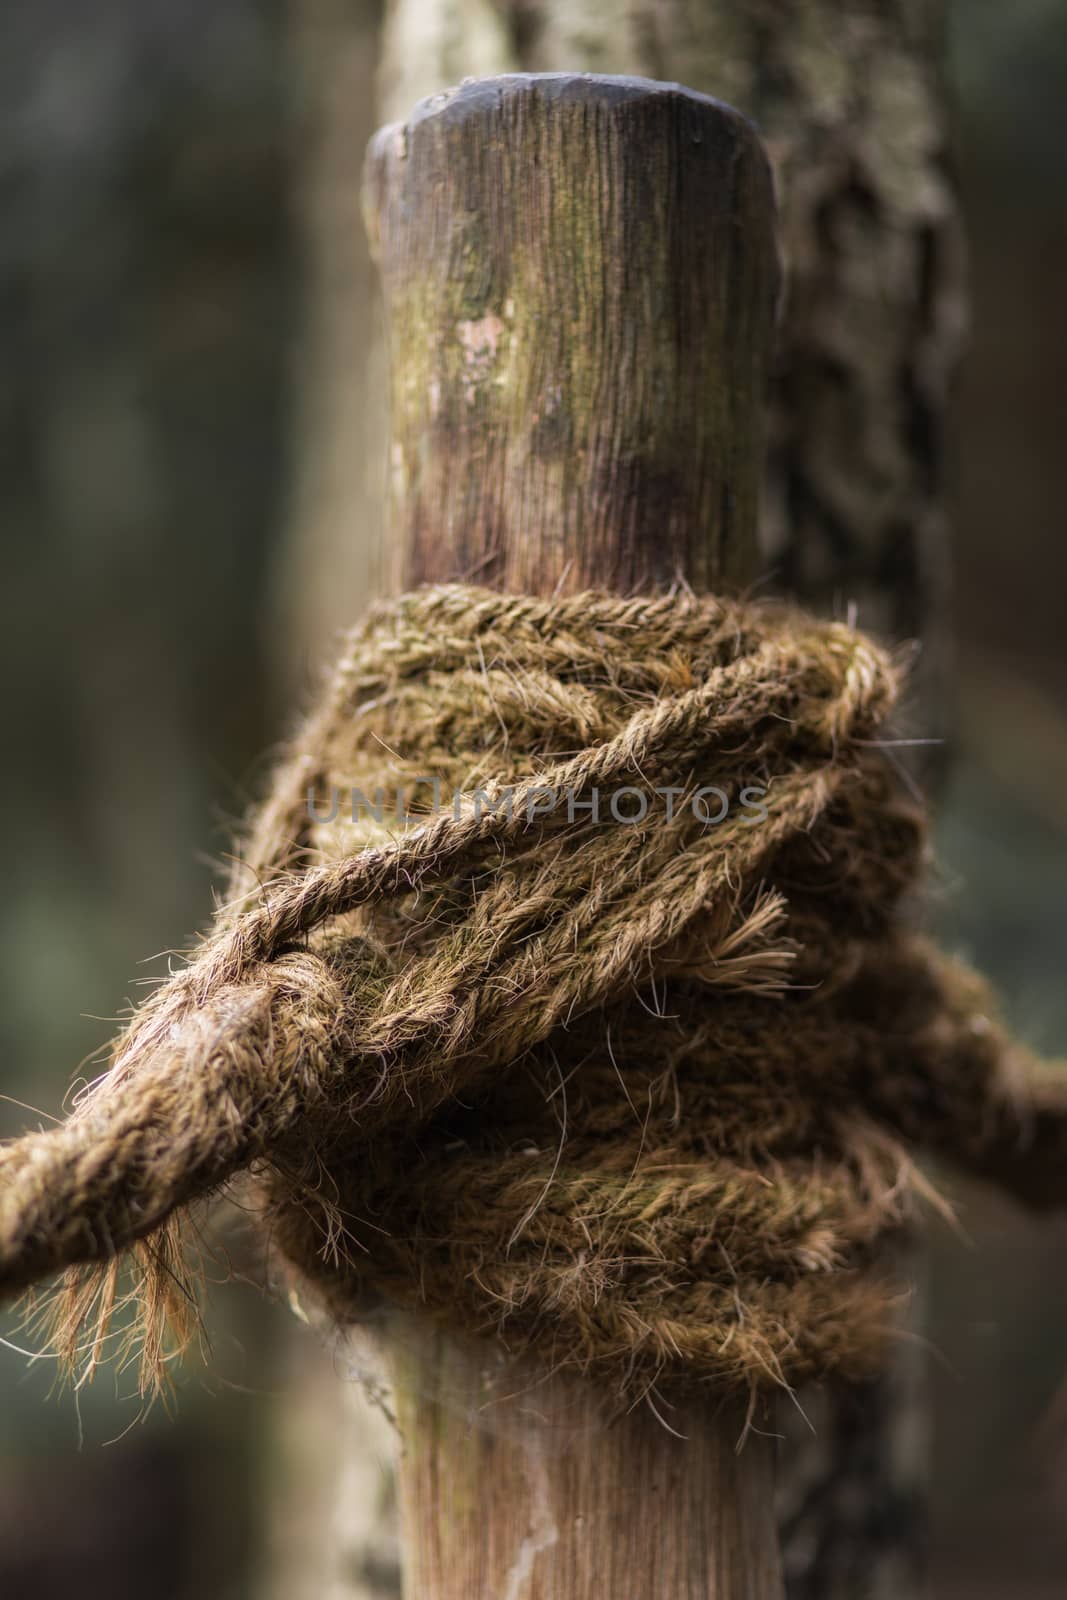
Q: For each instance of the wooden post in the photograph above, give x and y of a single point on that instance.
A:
(579, 278)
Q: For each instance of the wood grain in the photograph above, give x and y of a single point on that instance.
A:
(579, 276)
(511, 1492)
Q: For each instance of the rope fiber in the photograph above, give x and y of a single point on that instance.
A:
(637, 1089)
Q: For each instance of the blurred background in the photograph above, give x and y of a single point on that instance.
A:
(187, 516)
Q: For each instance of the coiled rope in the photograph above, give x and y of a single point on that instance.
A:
(568, 990)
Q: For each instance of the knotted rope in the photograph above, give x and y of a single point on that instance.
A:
(567, 990)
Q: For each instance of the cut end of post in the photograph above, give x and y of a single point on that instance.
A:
(484, 95)
(580, 276)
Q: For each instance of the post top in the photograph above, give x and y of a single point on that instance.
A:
(580, 274)
(480, 97)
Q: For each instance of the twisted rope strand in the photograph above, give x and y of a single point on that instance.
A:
(386, 1028)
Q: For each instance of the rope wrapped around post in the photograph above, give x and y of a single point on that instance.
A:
(569, 990)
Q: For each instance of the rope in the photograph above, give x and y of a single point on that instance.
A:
(567, 991)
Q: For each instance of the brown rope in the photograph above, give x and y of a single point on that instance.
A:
(637, 1090)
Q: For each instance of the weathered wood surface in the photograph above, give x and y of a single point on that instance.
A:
(579, 282)
(542, 1497)
(579, 275)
